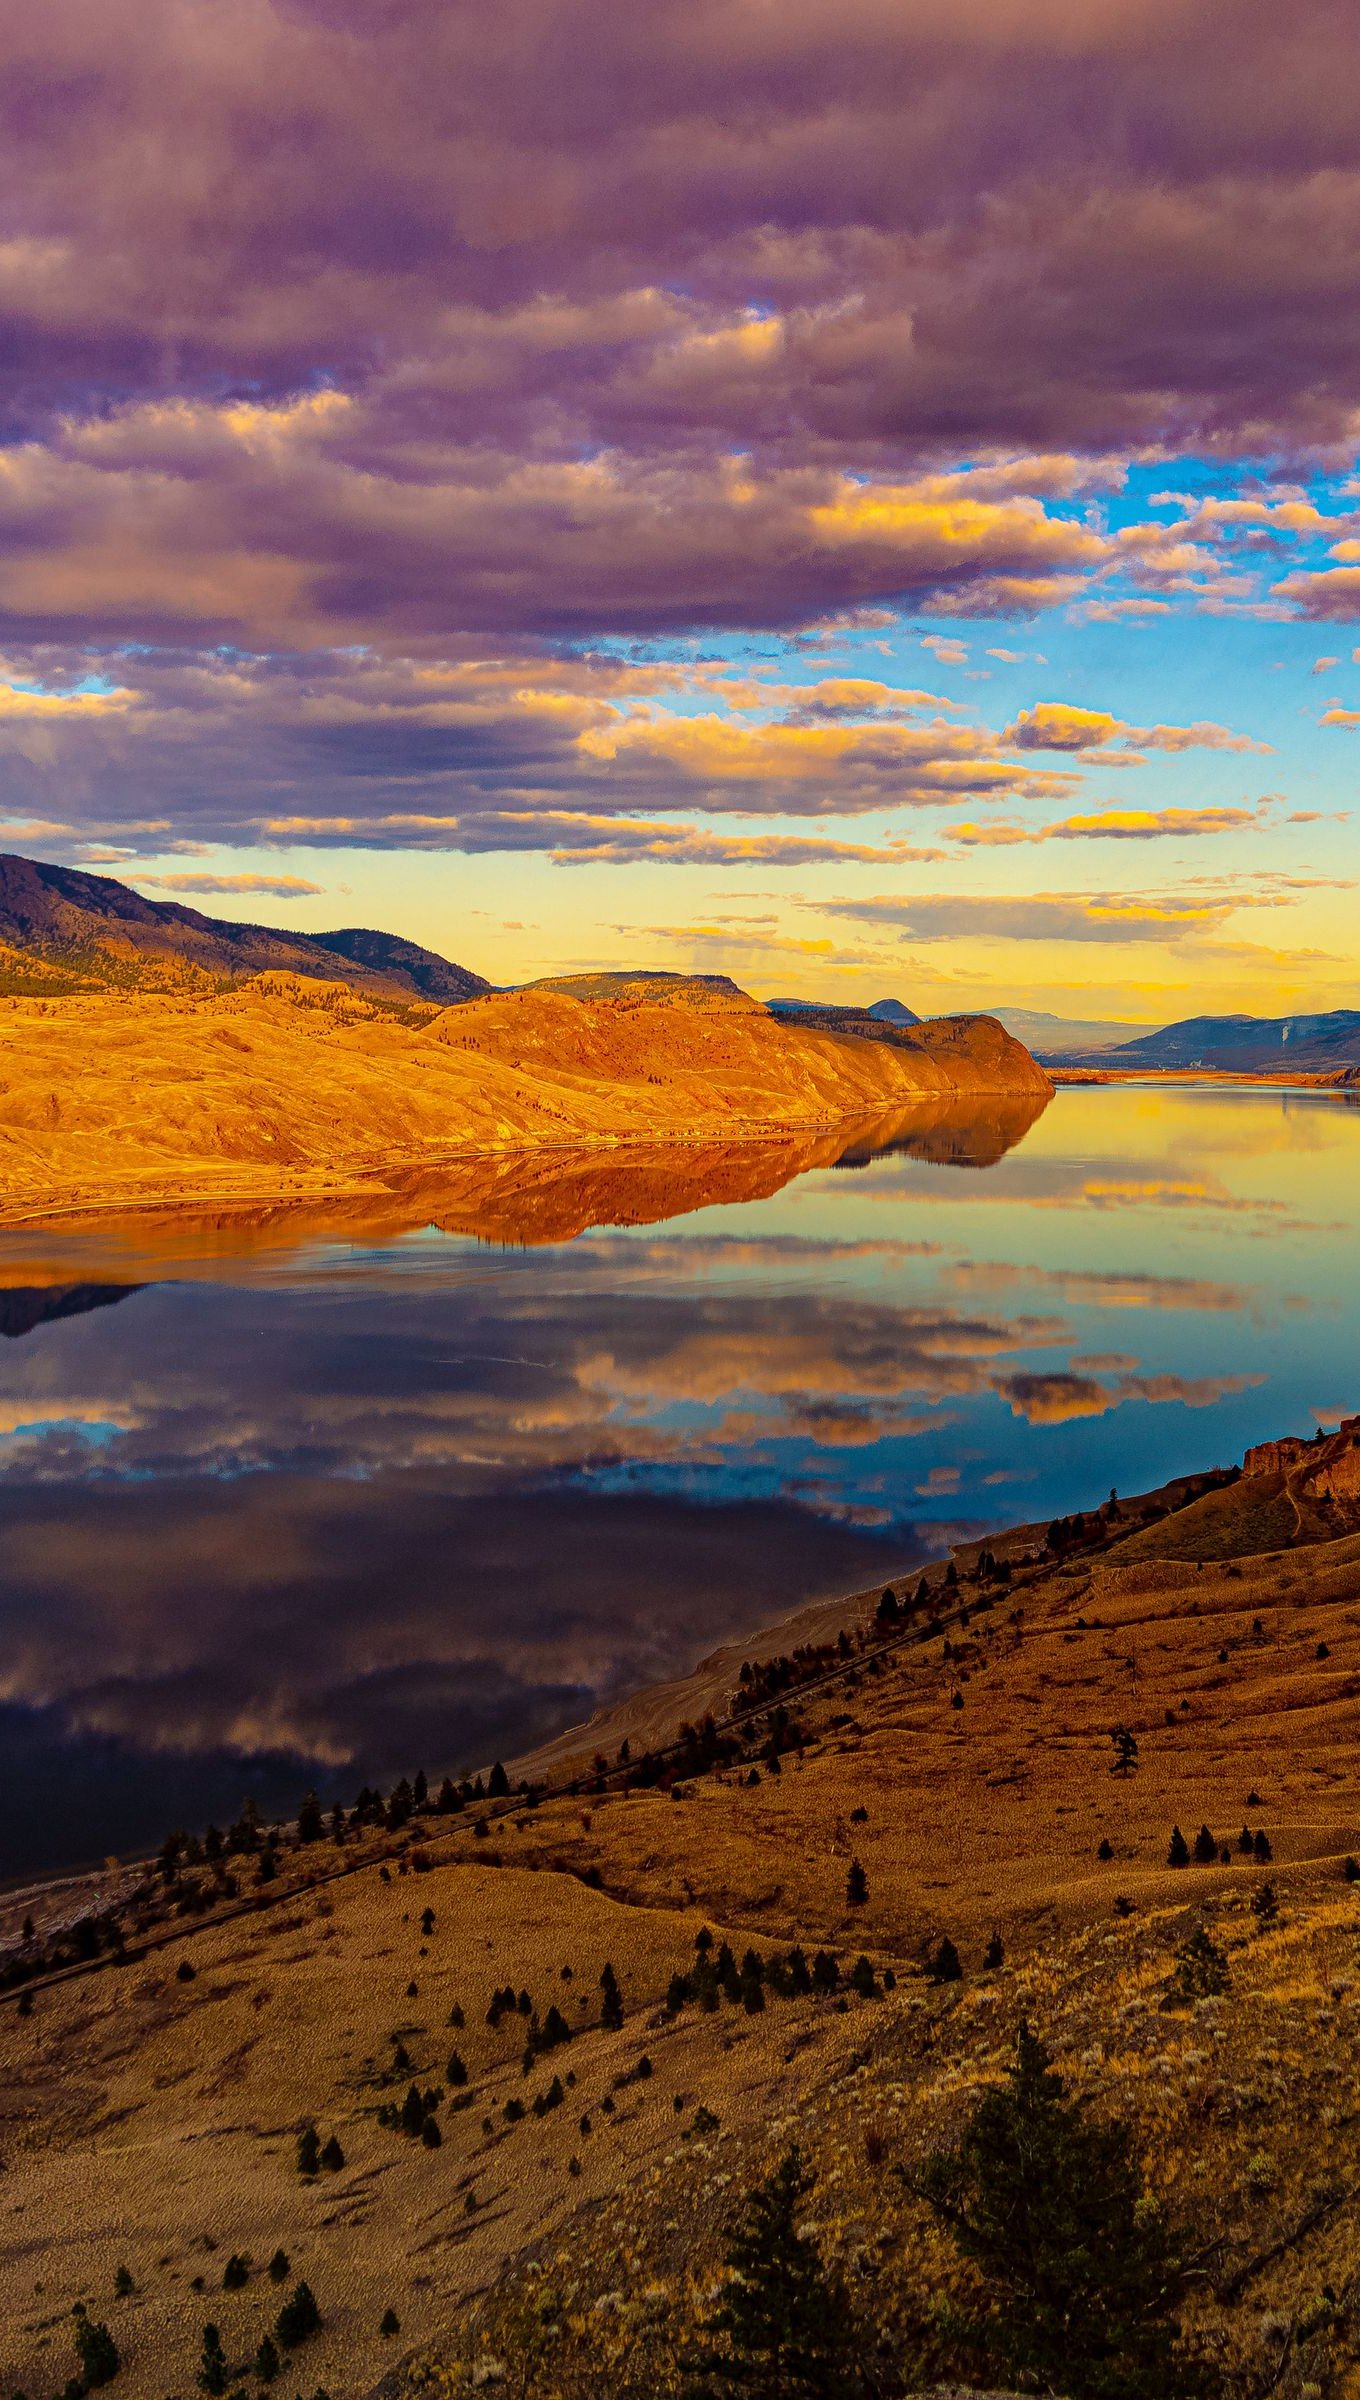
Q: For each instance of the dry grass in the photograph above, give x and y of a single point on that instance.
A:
(153, 2122)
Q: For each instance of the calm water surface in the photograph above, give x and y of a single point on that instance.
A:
(313, 1501)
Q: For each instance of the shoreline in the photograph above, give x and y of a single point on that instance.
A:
(1321, 1079)
(649, 1712)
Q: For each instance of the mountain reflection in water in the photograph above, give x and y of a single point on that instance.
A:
(421, 1478)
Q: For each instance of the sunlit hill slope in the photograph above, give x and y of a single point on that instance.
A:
(282, 1085)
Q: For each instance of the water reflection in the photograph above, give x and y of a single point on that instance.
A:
(288, 1496)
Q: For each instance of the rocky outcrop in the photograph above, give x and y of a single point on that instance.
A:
(1326, 1469)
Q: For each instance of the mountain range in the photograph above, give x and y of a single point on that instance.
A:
(74, 930)
(1246, 1045)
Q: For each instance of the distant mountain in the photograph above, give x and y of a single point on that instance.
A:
(888, 1012)
(90, 929)
(1248, 1045)
(1051, 1037)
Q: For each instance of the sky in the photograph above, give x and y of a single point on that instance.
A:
(858, 497)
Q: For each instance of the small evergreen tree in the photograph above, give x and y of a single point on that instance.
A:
(1261, 1850)
(311, 1824)
(298, 2318)
(1178, 1854)
(412, 2112)
(825, 1973)
(389, 2324)
(994, 1955)
(611, 2000)
(856, 1885)
(863, 1979)
(1105, 1850)
(426, 1923)
(946, 1965)
(97, 2351)
(1351, 1870)
(782, 2330)
(279, 2267)
(430, 2134)
(309, 2151)
(212, 2371)
(455, 2073)
(123, 2285)
(1264, 1905)
(1078, 2266)
(332, 2156)
(498, 1783)
(1206, 1848)
(1244, 1841)
(235, 2274)
(1202, 1971)
(267, 2360)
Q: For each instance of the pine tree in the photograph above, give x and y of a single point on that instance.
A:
(412, 2112)
(825, 1973)
(1206, 1848)
(279, 2267)
(994, 1955)
(1261, 1850)
(430, 2134)
(427, 1922)
(311, 1824)
(856, 1885)
(420, 1789)
(212, 2372)
(1178, 1855)
(863, 1979)
(455, 2073)
(1125, 1751)
(332, 2156)
(308, 2151)
(97, 2351)
(1078, 2266)
(1264, 1905)
(389, 2324)
(1202, 1971)
(235, 2274)
(298, 2318)
(946, 1966)
(782, 2330)
(498, 1784)
(267, 2359)
(611, 2002)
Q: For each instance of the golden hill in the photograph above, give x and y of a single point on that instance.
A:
(284, 1087)
(968, 1769)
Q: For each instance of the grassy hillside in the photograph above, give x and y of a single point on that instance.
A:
(284, 1087)
(564, 2232)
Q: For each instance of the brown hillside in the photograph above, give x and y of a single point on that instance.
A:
(970, 1774)
(282, 1087)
